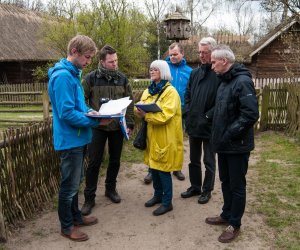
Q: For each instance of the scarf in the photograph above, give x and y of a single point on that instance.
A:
(108, 74)
(155, 88)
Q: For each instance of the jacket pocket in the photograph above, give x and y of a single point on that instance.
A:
(160, 154)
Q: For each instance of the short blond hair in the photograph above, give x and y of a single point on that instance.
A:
(82, 44)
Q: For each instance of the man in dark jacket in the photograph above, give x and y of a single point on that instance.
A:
(198, 112)
(105, 83)
(236, 111)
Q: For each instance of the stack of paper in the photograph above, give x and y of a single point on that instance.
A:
(113, 109)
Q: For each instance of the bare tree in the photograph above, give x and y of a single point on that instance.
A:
(35, 5)
(157, 9)
(199, 11)
(244, 18)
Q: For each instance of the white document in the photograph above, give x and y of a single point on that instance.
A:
(115, 107)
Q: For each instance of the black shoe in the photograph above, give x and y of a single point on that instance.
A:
(113, 196)
(155, 200)
(148, 178)
(204, 197)
(162, 210)
(87, 207)
(190, 192)
(180, 176)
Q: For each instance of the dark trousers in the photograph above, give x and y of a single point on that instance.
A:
(162, 184)
(209, 160)
(232, 170)
(95, 151)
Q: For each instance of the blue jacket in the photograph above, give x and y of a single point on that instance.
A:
(71, 128)
(180, 74)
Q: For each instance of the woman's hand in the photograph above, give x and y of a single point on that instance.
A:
(140, 113)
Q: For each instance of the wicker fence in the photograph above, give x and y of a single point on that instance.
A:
(29, 171)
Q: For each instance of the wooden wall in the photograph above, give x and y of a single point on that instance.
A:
(18, 71)
(277, 58)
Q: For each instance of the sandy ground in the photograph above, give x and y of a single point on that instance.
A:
(130, 225)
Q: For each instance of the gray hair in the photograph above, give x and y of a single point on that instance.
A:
(209, 41)
(165, 73)
(223, 51)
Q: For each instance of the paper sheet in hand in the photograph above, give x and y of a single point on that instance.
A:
(113, 108)
(149, 107)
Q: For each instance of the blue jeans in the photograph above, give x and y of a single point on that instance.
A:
(72, 172)
(232, 170)
(162, 184)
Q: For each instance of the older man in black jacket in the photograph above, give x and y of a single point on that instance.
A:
(199, 102)
(236, 111)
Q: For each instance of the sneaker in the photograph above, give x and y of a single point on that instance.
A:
(87, 207)
(229, 234)
(148, 178)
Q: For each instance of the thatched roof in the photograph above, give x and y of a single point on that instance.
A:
(21, 37)
(272, 35)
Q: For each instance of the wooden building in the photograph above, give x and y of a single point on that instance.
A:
(277, 55)
(21, 45)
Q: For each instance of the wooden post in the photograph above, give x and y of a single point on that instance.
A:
(264, 108)
(46, 105)
(3, 237)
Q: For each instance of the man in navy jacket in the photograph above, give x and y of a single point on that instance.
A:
(236, 111)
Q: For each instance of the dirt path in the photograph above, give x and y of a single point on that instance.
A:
(129, 225)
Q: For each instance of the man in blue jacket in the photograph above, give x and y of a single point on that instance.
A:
(180, 72)
(71, 131)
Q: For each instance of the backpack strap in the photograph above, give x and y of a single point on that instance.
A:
(161, 93)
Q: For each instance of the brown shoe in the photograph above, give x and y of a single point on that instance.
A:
(218, 220)
(87, 221)
(229, 234)
(75, 235)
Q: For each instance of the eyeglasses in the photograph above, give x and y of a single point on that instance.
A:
(203, 52)
(153, 69)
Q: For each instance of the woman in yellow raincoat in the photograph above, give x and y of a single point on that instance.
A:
(164, 152)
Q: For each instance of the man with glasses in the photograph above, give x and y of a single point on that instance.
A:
(198, 111)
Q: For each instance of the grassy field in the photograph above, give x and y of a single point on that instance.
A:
(278, 187)
(15, 114)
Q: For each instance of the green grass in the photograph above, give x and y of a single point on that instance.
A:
(131, 154)
(19, 116)
(278, 187)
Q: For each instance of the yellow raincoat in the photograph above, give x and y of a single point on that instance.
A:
(164, 150)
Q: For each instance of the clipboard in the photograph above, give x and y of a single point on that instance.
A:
(148, 107)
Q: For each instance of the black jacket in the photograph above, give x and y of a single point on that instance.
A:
(236, 111)
(97, 86)
(199, 101)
